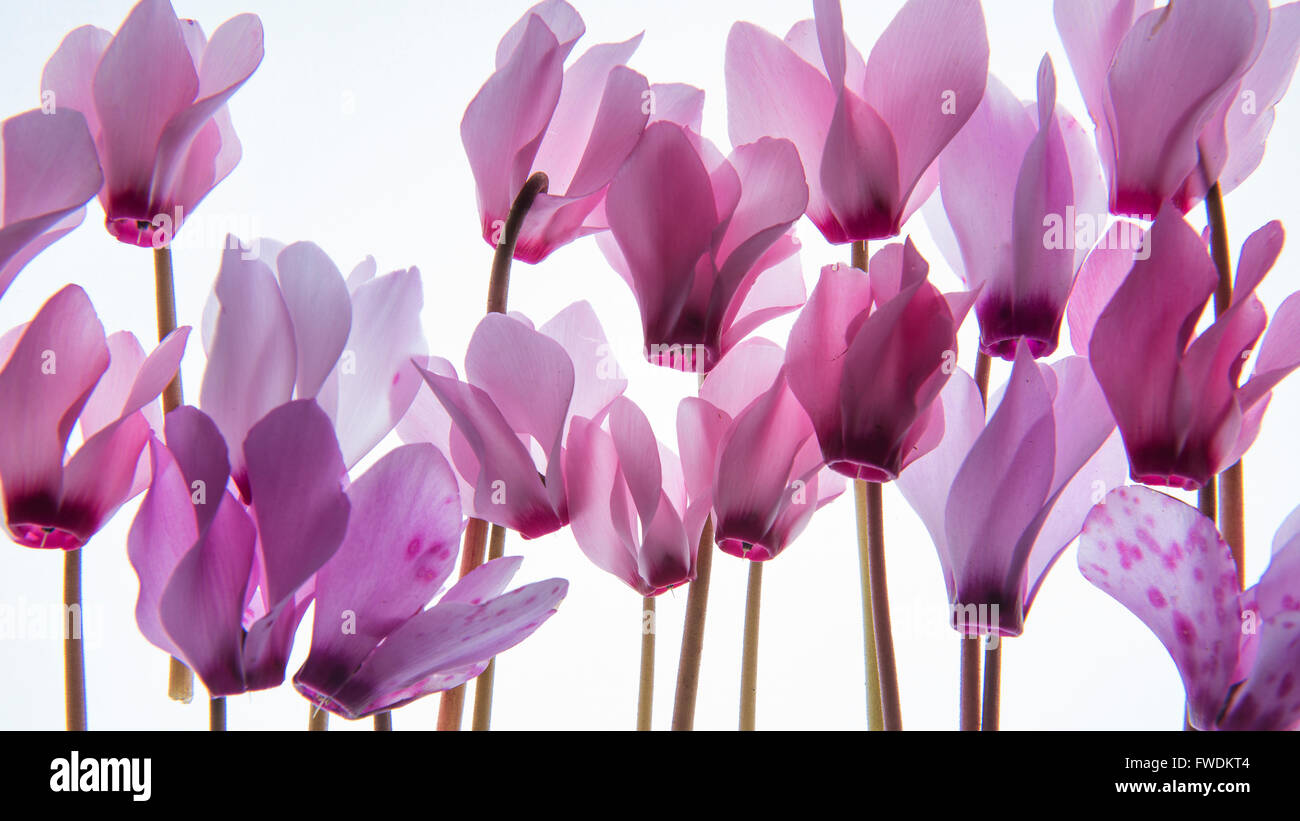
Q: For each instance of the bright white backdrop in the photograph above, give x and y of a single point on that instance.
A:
(350, 130)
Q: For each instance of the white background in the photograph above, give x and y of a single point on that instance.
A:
(350, 130)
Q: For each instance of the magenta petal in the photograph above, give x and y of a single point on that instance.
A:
(663, 223)
(755, 464)
(700, 429)
(229, 59)
(596, 122)
(202, 604)
(594, 485)
(105, 404)
(504, 124)
(1268, 699)
(487, 581)
(253, 325)
(71, 69)
(44, 385)
(294, 471)
(927, 481)
(401, 543)
(444, 637)
(925, 77)
(558, 16)
(374, 377)
(815, 353)
(163, 530)
(1193, 53)
(1099, 278)
(195, 444)
(772, 92)
(597, 378)
(507, 488)
(773, 195)
(977, 182)
(321, 310)
(1139, 340)
(1279, 353)
(998, 495)
(1167, 564)
(50, 170)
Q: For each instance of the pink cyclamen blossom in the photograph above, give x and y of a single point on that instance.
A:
(223, 585)
(1182, 95)
(48, 171)
(154, 96)
(1235, 651)
(628, 506)
(576, 125)
(702, 240)
(55, 372)
(1176, 398)
(1015, 185)
(282, 323)
(750, 452)
(1003, 499)
(868, 132)
(400, 547)
(503, 427)
(868, 357)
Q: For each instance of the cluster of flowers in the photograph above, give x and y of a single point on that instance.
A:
(250, 511)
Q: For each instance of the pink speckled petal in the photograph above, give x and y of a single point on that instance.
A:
(1167, 564)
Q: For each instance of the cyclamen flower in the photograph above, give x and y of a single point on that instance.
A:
(400, 547)
(699, 239)
(283, 324)
(154, 96)
(60, 370)
(1176, 399)
(509, 417)
(867, 358)
(751, 453)
(1003, 499)
(576, 125)
(628, 505)
(224, 585)
(1011, 174)
(48, 171)
(1235, 651)
(1166, 89)
(868, 132)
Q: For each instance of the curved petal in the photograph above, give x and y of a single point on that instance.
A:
(1167, 564)
(294, 474)
(320, 308)
(402, 537)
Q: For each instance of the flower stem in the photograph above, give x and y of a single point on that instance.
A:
(749, 663)
(992, 683)
(499, 284)
(875, 713)
(483, 684)
(971, 717)
(889, 701)
(969, 710)
(384, 721)
(74, 659)
(688, 664)
(1232, 493)
(180, 681)
(318, 720)
(217, 714)
(646, 688)
(452, 705)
